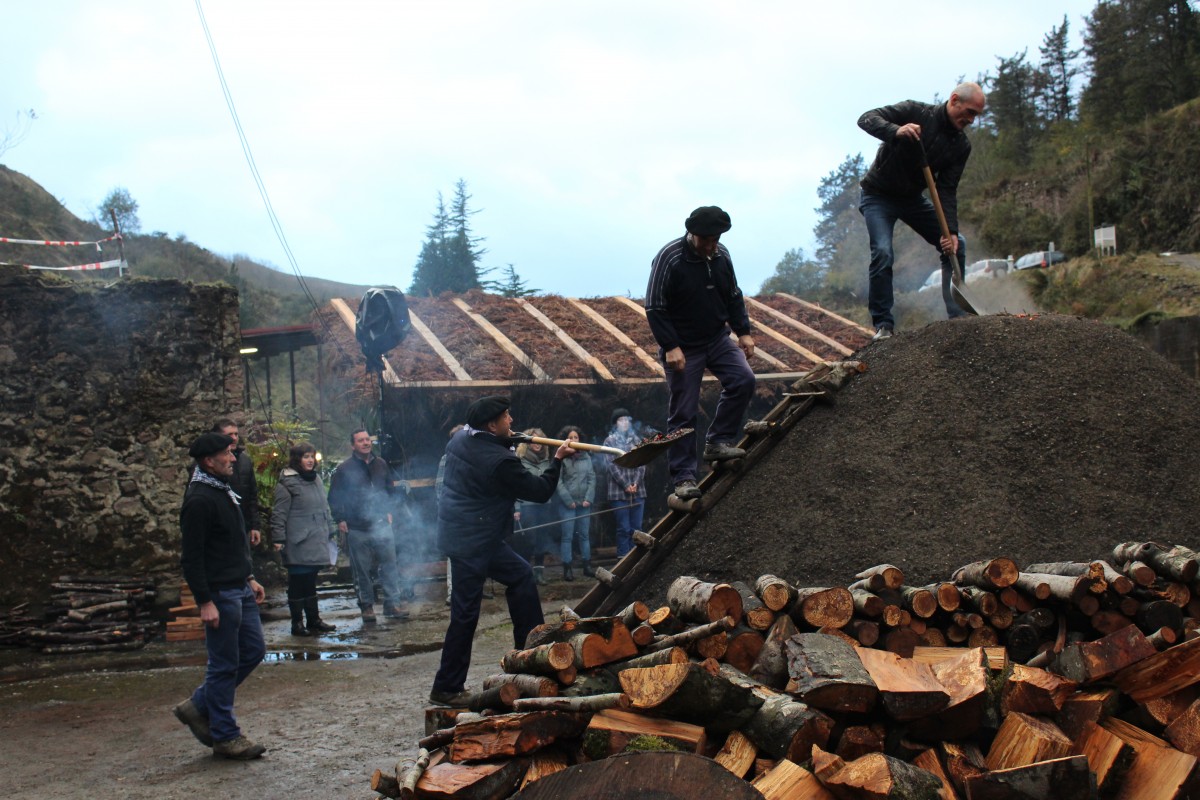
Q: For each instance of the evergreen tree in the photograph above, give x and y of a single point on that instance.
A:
(1056, 72)
(795, 274)
(1012, 107)
(512, 285)
(449, 259)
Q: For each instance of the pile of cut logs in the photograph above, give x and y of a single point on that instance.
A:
(1071, 680)
(86, 613)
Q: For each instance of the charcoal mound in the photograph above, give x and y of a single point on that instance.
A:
(1041, 439)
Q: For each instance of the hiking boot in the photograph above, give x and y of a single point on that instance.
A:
(298, 629)
(721, 451)
(313, 612)
(296, 607)
(588, 572)
(395, 612)
(882, 332)
(368, 615)
(187, 713)
(239, 749)
(687, 490)
(568, 573)
(457, 699)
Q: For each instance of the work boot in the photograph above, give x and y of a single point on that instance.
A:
(721, 451)
(539, 576)
(395, 612)
(297, 609)
(239, 749)
(187, 713)
(315, 623)
(881, 333)
(457, 699)
(368, 615)
(588, 572)
(568, 573)
(687, 490)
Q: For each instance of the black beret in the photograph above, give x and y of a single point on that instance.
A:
(486, 409)
(208, 444)
(708, 221)
(620, 412)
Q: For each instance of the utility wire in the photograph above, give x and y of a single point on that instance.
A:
(262, 187)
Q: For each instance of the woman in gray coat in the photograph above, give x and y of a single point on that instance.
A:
(301, 527)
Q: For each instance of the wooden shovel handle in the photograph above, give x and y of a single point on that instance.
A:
(941, 215)
(595, 448)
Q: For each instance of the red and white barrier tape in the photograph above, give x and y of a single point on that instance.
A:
(98, 265)
(5, 240)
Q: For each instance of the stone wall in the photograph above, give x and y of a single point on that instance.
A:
(101, 391)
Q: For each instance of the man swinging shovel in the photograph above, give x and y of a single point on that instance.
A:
(919, 139)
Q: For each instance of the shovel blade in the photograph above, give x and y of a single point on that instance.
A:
(964, 302)
(645, 452)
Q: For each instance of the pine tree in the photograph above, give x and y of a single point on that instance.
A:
(512, 285)
(449, 259)
(431, 274)
(1012, 106)
(1056, 72)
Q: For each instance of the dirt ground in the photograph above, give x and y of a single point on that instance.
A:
(1040, 439)
(330, 711)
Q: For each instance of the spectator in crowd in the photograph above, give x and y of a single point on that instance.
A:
(626, 485)
(301, 527)
(538, 518)
(482, 480)
(360, 496)
(576, 493)
(692, 302)
(216, 565)
(243, 480)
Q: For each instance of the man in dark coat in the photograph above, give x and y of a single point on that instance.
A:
(914, 134)
(216, 565)
(243, 480)
(482, 480)
(692, 302)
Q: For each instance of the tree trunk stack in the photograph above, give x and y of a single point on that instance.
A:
(1080, 686)
(88, 613)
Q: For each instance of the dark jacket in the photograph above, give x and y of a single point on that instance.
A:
(896, 170)
(244, 483)
(216, 550)
(300, 520)
(689, 301)
(360, 492)
(483, 479)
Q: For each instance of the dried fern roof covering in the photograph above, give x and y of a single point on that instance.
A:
(479, 339)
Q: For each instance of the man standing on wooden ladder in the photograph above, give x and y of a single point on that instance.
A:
(692, 301)
(912, 133)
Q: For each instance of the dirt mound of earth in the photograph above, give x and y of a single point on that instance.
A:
(1040, 439)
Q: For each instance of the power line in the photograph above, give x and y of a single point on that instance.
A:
(276, 225)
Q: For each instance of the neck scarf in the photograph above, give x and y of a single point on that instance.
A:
(200, 476)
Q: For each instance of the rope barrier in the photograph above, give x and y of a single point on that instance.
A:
(98, 242)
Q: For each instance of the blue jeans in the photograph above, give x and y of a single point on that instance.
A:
(368, 548)
(503, 565)
(881, 212)
(235, 648)
(576, 528)
(725, 360)
(627, 514)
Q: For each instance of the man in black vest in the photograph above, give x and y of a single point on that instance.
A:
(482, 480)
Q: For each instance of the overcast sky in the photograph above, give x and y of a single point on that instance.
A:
(586, 131)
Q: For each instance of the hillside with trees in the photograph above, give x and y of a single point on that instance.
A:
(1071, 140)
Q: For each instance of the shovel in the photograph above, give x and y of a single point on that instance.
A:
(957, 288)
(642, 453)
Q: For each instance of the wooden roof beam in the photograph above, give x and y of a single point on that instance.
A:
(800, 326)
(575, 347)
(827, 312)
(788, 343)
(505, 343)
(617, 333)
(431, 339)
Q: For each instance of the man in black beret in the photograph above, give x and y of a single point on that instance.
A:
(692, 302)
(483, 478)
(216, 565)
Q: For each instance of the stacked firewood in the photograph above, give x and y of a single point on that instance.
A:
(1070, 680)
(87, 613)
